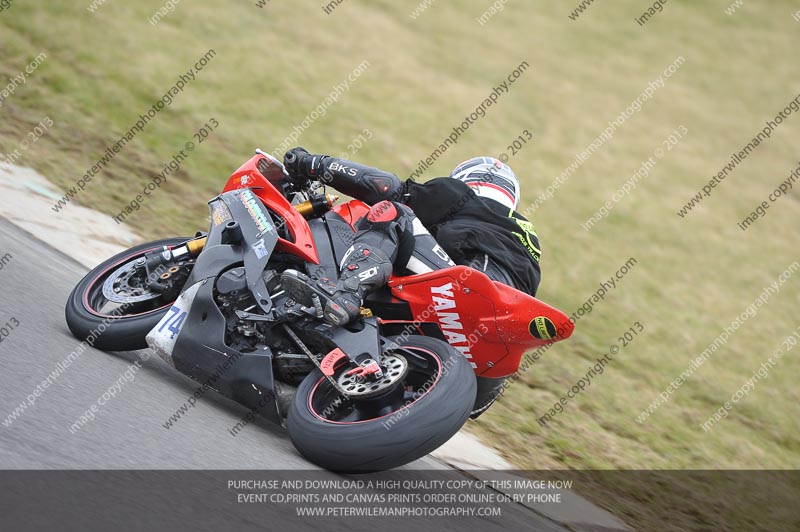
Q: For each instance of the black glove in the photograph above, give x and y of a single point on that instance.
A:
(302, 165)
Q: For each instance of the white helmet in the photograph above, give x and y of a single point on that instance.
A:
(490, 178)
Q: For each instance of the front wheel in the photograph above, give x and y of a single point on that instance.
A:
(115, 305)
(425, 397)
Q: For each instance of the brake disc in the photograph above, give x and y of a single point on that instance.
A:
(126, 286)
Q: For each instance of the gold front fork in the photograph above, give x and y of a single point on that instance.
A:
(196, 247)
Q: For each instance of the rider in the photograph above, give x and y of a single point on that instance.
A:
(471, 214)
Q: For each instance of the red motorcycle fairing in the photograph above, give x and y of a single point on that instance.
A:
(492, 324)
(248, 176)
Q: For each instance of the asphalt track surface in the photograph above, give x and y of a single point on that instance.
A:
(128, 432)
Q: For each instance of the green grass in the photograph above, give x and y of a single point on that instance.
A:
(694, 275)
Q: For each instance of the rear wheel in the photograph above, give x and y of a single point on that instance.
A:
(424, 398)
(114, 307)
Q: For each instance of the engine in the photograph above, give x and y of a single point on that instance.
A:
(248, 329)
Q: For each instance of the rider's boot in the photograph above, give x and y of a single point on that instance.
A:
(363, 270)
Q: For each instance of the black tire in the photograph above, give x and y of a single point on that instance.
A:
(395, 438)
(114, 333)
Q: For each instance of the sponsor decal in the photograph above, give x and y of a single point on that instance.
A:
(368, 274)
(260, 249)
(253, 206)
(442, 254)
(444, 305)
(220, 214)
(339, 167)
(542, 328)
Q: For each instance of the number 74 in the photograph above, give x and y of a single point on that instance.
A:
(175, 322)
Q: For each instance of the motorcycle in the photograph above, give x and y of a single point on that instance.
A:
(371, 395)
